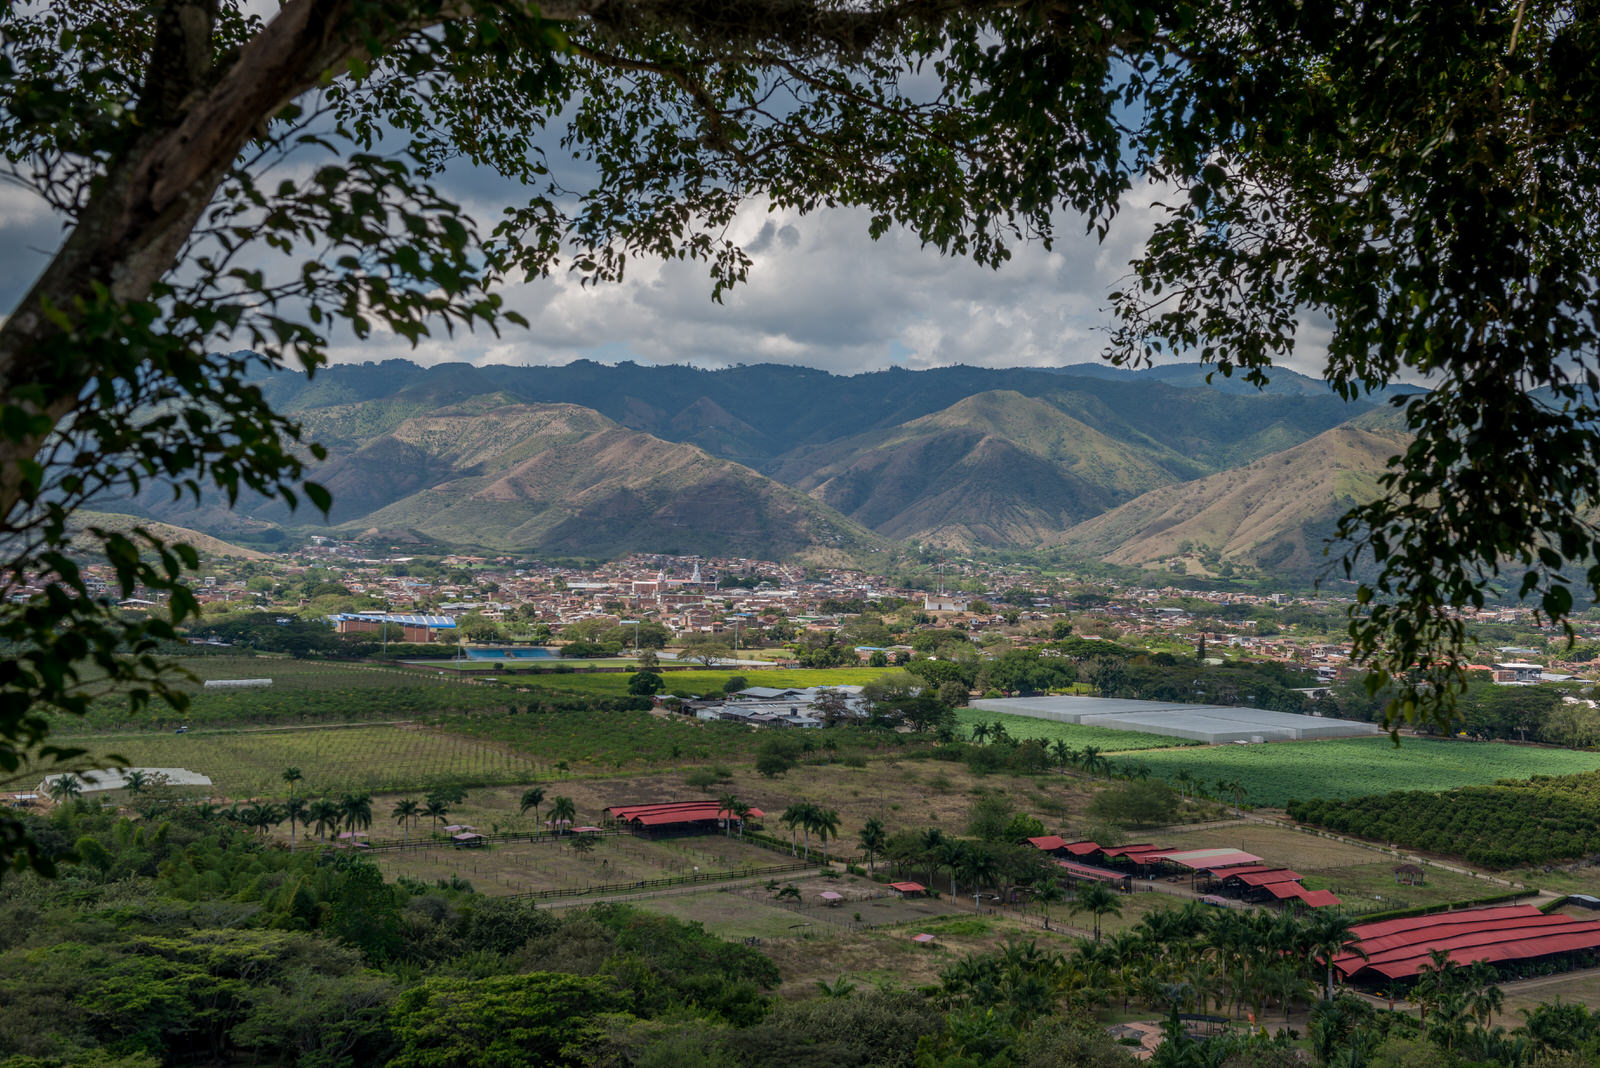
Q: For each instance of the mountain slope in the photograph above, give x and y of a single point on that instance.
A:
(564, 479)
(1274, 513)
(994, 469)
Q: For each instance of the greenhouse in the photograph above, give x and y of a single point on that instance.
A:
(1212, 724)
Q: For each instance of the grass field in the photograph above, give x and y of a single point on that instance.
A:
(1278, 772)
(1075, 735)
(519, 867)
(333, 760)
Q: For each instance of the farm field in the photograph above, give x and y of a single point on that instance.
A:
(594, 743)
(334, 760)
(1275, 773)
(1076, 735)
(302, 691)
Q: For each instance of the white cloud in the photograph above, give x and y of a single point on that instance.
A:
(822, 293)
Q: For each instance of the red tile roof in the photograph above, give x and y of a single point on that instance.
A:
(673, 812)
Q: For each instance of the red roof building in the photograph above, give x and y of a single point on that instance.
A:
(675, 816)
(1398, 949)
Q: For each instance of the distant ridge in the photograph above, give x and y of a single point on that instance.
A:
(769, 460)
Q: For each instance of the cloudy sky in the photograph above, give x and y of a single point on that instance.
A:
(820, 293)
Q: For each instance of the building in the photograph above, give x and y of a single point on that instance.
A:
(411, 628)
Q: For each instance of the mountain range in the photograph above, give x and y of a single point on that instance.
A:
(772, 461)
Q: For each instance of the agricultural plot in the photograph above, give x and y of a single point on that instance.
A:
(1277, 773)
(553, 864)
(1076, 735)
(248, 763)
(302, 691)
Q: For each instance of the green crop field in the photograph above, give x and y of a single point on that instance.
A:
(302, 691)
(333, 760)
(1104, 738)
(1275, 773)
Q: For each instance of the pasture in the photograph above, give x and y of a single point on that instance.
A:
(1277, 772)
(1106, 739)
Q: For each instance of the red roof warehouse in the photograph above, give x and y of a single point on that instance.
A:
(1397, 949)
(676, 817)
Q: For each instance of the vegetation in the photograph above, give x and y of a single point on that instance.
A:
(1076, 736)
(1276, 773)
(1508, 825)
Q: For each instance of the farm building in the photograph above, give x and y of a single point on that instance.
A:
(1212, 724)
(675, 817)
(403, 627)
(1505, 936)
(1230, 870)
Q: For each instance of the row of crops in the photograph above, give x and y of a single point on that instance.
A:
(301, 692)
(355, 759)
(1274, 774)
(1502, 826)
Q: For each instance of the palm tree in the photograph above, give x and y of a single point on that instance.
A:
(135, 781)
(65, 787)
(1047, 891)
(1185, 779)
(952, 854)
(436, 810)
(825, 821)
(932, 844)
(294, 810)
(980, 732)
(324, 814)
(1097, 900)
(532, 798)
(1064, 753)
(837, 989)
(725, 806)
(1090, 760)
(792, 818)
(741, 811)
(356, 810)
(1325, 936)
(291, 776)
(404, 812)
(562, 812)
(979, 865)
(873, 838)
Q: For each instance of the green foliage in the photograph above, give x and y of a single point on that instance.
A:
(512, 1020)
(1147, 803)
(1508, 825)
(1274, 774)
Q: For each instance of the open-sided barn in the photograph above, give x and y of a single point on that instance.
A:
(1503, 934)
